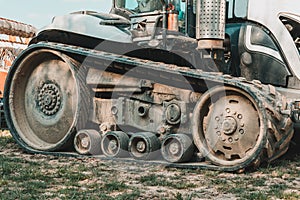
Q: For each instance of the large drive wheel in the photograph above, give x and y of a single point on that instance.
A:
(46, 100)
(229, 127)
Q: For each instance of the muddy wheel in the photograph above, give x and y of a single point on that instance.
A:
(229, 127)
(144, 146)
(88, 142)
(115, 144)
(46, 100)
(177, 148)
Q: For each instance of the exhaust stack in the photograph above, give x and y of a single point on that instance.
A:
(210, 27)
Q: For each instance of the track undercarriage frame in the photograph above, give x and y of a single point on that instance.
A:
(142, 109)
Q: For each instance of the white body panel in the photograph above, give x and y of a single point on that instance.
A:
(267, 13)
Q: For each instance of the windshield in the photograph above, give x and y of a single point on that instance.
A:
(237, 8)
(148, 5)
(292, 24)
(139, 5)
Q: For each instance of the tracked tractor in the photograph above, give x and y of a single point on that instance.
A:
(14, 37)
(204, 84)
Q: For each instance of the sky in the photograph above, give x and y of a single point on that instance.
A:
(39, 13)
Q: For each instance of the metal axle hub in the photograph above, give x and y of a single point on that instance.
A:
(229, 125)
(49, 99)
(174, 148)
(141, 146)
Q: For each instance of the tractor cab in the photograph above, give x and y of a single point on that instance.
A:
(180, 15)
(147, 16)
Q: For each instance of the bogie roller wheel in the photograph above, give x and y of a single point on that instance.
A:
(177, 148)
(144, 146)
(46, 100)
(88, 142)
(229, 127)
(115, 144)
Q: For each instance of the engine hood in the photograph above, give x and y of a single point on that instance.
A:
(98, 25)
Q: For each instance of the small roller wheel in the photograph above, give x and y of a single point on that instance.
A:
(177, 148)
(87, 142)
(144, 146)
(115, 144)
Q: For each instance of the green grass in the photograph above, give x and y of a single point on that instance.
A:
(39, 179)
(115, 186)
(24, 176)
(4, 141)
(160, 180)
(261, 188)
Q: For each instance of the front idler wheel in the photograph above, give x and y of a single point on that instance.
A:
(88, 142)
(115, 144)
(177, 148)
(144, 146)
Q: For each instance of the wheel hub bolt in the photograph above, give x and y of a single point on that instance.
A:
(48, 100)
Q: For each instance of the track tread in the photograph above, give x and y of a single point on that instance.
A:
(81, 72)
(280, 126)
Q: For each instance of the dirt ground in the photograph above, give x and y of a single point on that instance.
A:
(53, 177)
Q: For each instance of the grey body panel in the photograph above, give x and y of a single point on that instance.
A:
(90, 25)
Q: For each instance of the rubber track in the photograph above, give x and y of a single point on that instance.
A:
(84, 92)
(279, 126)
(84, 100)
